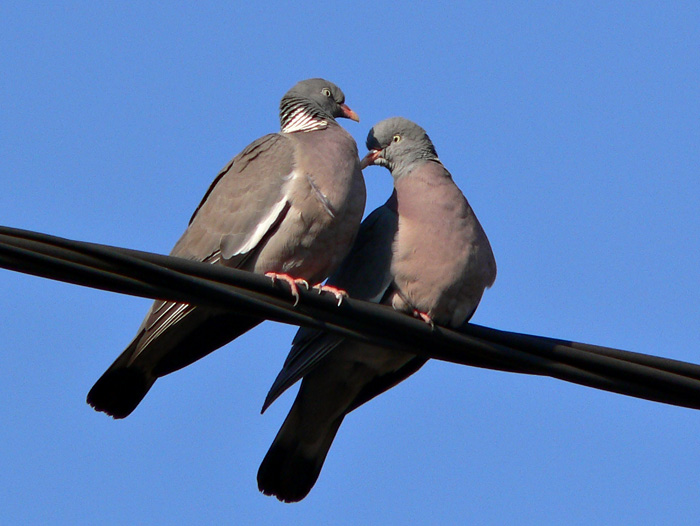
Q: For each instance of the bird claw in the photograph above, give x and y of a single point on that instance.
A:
(338, 293)
(425, 317)
(293, 283)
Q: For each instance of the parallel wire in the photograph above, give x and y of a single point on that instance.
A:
(168, 278)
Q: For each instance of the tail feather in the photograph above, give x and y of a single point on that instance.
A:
(122, 387)
(344, 379)
(119, 391)
(293, 463)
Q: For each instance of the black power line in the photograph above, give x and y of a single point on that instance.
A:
(155, 276)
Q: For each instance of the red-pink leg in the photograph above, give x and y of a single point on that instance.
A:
(338, 293)
(425, 317)
(291, 281)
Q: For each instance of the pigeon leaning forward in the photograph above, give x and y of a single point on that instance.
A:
(424, 253)
(288, 206)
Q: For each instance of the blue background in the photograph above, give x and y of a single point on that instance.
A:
(573, 129)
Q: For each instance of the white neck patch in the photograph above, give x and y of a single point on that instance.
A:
(303, 121)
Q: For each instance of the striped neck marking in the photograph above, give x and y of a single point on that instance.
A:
(300, 119)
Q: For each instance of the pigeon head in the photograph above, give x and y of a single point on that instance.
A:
(396, 144)
(310, 102)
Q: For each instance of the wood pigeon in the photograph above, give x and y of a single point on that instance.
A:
(288, 206)
(424, 253)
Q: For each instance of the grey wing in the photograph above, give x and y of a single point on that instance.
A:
(245, 203)
(364, 274)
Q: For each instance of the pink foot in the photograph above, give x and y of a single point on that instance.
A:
(291, 281)
(338, 293)
(425, 317)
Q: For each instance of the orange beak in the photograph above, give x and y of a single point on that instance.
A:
(348, 113)
(369, 159)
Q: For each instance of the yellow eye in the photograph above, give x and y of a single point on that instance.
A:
(326, 92)
(396, 138)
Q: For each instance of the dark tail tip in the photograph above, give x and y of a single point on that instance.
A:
(286, 475)
(119, 391)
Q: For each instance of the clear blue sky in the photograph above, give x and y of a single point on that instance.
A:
(573, 129)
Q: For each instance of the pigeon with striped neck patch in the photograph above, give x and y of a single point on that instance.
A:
(424, 253)
(288, 206)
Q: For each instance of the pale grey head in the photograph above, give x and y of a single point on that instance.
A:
(313, 100)
(397, 144)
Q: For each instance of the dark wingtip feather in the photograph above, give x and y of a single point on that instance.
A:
(119, 391)
(274, 393)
